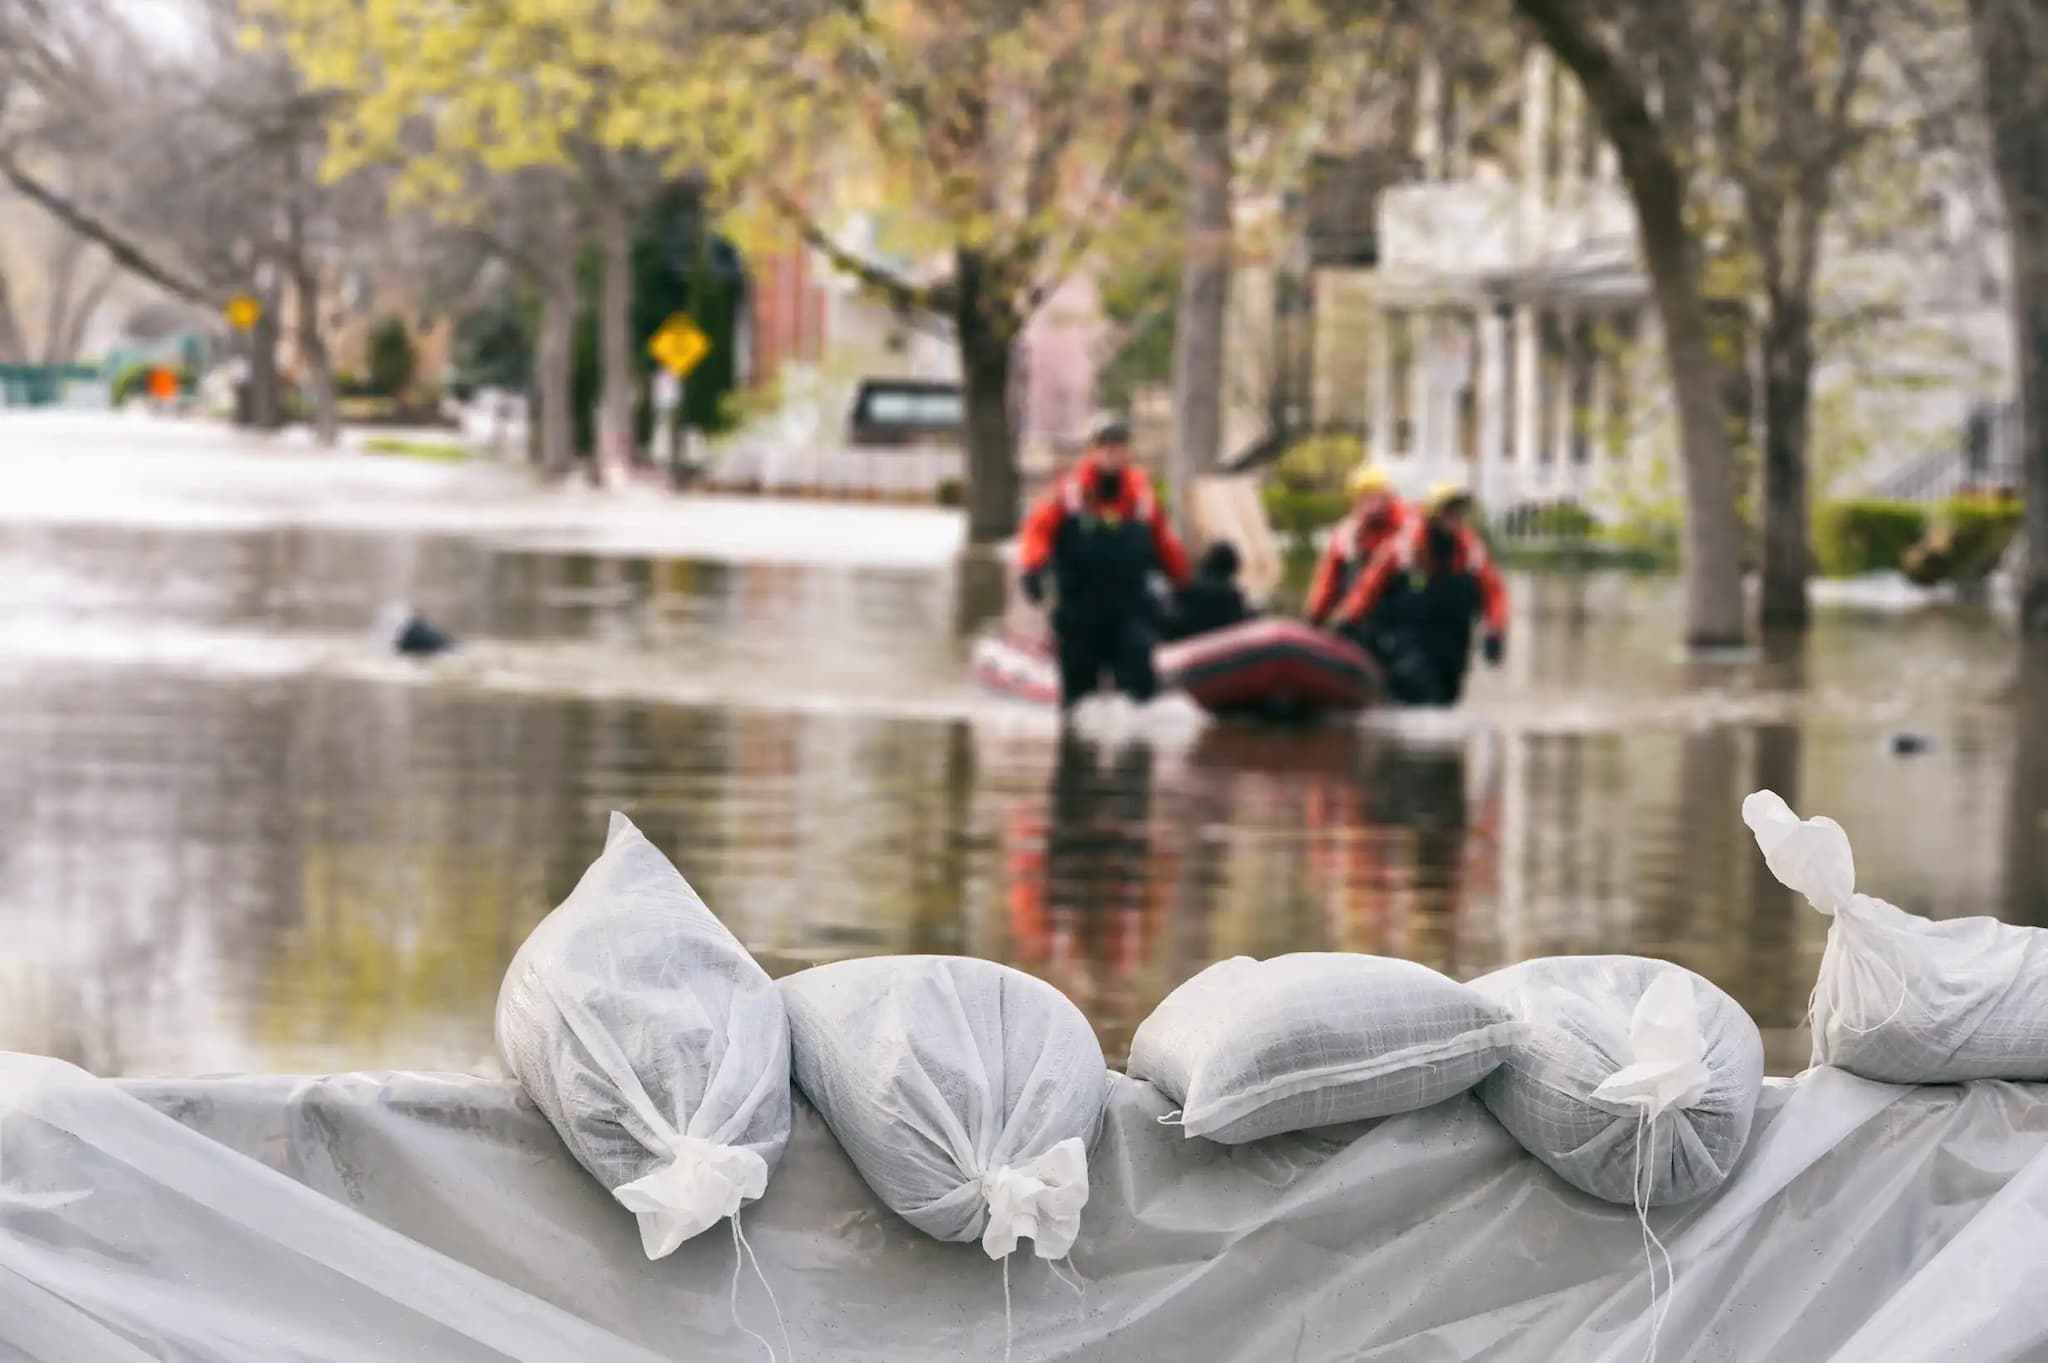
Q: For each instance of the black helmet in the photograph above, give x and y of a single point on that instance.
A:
(1113, 430)
(1219, 562)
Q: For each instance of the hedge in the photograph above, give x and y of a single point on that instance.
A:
(1969, 537)
(1297, 515)
(1865, 535)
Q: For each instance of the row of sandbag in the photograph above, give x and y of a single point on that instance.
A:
(967, 1093)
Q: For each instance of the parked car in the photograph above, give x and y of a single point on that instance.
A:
(898, 412)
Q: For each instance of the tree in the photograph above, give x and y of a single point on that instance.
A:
(1261, 90)
(581, 102)
(1783, 88)
(1200, 319)
(2011, 39)
(62, 68)
(191, 164)
(1621, 50)
(1003, 136)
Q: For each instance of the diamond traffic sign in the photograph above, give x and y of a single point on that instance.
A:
(243, 311)
(679, 346)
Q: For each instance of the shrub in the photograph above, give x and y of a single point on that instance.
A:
(1969, 537)
(1550, 520)
(392, 358)
(1319, 463)
(434, 451)
(133, 382)
(1866, 535)
(1297, 514)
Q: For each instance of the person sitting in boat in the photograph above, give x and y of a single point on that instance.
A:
(1213, 600)
(1100, 536)
(1377, 516)
(1415, 605)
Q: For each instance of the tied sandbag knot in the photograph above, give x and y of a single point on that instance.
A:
(1669, 1068)
(701, 1186)
(1040, 1198)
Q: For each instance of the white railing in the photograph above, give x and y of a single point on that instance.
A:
(915, 473)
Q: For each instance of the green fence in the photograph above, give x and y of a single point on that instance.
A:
(43, 385)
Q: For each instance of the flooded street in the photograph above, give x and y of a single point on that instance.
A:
(239, 836)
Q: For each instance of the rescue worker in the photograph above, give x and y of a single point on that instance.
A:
(1414, 606)
(1376, 516)
(1101, 537)
(1212, 601)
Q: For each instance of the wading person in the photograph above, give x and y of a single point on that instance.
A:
(1100, 536)
(1377, 516)
(1416, 604)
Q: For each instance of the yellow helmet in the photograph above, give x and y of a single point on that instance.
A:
(1443, 494)
(1368, 478)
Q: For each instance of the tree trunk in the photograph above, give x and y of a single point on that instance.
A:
(2026, 849)
(1657, 187)
(987, 327)
(2030, 303)
(11, 351)
(1788, 409)
(1712, 542)
(63, 279)
(615, 332)
(2012, 46)
(89, 304)
(554, 364)
(263, 407)
(1201, 321)
(313, 353)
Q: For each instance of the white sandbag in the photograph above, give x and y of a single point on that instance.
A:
(1251, 1049)
(652, 1041)
(966, 1093)
(1901, 998)
(1637, 1081)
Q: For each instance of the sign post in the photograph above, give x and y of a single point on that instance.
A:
(668, 396)
(678, 346)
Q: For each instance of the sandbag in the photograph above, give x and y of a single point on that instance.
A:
(1901, 998)
(966, 1093)
(652, 1041)
(1251, 1048)
(1637, 1080)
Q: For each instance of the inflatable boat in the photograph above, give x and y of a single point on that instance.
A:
(1267, 668)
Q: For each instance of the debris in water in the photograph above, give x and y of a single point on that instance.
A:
(411, 634)
(1908, 744)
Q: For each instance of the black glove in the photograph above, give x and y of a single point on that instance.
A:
(1495, 648)
(1034, 588)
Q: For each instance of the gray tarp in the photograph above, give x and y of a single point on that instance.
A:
(425, 1216)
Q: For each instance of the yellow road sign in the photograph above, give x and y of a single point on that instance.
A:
(242, 311)
(679, 346)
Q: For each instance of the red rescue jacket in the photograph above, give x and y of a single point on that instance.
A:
(1352, 545)
(1074, 495)
(1407, 552)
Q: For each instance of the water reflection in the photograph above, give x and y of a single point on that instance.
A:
(243, 843)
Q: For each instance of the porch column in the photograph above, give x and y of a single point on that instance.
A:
(1644, 388)
(1380, 387)
(1422, 341)
(1600, 420)
(1528, 388)
(1491, 383)
(1559, 412)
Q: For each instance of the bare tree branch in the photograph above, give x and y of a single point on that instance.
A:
(131, 257)
(900, 292)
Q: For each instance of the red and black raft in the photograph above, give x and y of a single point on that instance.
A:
(1267, 668)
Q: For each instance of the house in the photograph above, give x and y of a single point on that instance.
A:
(1495, 325)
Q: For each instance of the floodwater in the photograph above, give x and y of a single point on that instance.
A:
(236, 836)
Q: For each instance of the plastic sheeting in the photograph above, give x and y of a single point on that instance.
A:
(421, 1216)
